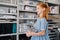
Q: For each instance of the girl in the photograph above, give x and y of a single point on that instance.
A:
(41, 24)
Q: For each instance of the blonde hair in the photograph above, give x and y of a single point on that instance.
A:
(47, 9)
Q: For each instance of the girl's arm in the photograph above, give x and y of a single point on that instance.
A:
(29, 33)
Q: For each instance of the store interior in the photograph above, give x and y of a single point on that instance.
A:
(18, 16)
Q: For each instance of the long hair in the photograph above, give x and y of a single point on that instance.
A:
(47, 9)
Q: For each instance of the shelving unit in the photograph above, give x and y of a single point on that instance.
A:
(8, 15)
(22, 14)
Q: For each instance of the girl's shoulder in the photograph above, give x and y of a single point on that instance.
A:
(44, 20)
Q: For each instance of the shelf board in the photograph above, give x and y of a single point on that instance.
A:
(8, 13)
(27, 11)
(7, 22)
(7, 34)
(53, 36)
(21, 33)
(52, 3)
(27, 4)
(7, 4)
(52, 33)
(53, 14)
(7, 18)
(28, 18)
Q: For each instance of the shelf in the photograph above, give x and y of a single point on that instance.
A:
(27, 4)
(7, 18)
(52, 33)
(52, 3)
(6, 4)
(28, 18)
(27, 11)
(53, 36)
(8, 22)
(8, 13)
(53, 14)
(8, 34)
(21, 33)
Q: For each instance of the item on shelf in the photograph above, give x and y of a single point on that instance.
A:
(14, 2)
(23, 28)
(22, 15)
(29, 15)
(5, 28)
(20, 1)
(53, 1)
(22, 21)
(5, 1)
(30, 22)
(30, 8)
(21, 7)
(12, 37)
(14, 28)
(3, 10)
(7, 16)
(33, 3)
(54, 10)
(7, 20)
(2, 20)
(12, 10)
(26, 2)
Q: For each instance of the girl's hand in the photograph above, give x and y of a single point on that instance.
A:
(28, 33)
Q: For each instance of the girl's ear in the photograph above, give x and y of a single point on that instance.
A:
(43, 9)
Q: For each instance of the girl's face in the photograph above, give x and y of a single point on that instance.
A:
(39, 10)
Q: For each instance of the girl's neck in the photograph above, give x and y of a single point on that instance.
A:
(40, 16)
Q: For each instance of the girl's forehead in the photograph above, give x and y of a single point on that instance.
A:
(38, 7)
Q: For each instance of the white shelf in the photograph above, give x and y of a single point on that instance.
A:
(51, 2)
(7, 22)
(6, 4)
(8, 34)
(8, 13)
(7, 18)
(27, 4)
(21, 33)
(55, 3)
(29, 18)
(27, 11)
